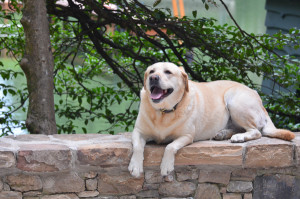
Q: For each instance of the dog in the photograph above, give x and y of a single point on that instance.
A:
(178, 111)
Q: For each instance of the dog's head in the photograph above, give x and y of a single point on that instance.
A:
(165, 84)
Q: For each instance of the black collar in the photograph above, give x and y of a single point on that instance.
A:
(170, 110)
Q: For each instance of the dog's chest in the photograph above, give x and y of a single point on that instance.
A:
(165, 128)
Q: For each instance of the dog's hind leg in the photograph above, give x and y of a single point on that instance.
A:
(246, 111)
(224, 134)
(228, 131)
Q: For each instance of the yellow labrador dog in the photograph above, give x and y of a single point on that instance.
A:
(178, 111)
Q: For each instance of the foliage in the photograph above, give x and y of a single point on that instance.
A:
(97, 70)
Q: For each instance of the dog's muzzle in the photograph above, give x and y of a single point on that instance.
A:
(157, 93)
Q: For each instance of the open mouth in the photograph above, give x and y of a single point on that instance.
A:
(157, 94)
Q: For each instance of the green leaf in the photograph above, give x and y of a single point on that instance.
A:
(156, 3)
(194, 13)
(206, 6)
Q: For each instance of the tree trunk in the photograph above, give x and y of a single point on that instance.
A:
(38, 66)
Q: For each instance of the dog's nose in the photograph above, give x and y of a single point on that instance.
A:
(154, 79)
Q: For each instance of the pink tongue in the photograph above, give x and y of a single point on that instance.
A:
(157, 93)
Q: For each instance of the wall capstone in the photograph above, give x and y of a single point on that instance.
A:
(94, 166)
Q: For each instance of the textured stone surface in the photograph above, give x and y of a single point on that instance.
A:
(198, 153)
(61, 196)
(215, 176)
(210, 153)
(1, 185)
(95, 166)
(88, 194)
(179, 189)
(23, 182)
(248, 196)
(208, 191)
(7, 159)
(243, 174)
(232, 196)
(44, 157)
(276, 186)
(32, 193)
(91, 184)
(153, 154)
(10, 195)
(268, 152)
(296, 141)
(148, 194)
(63, 183)
(119, 183)
(150, 186)
(105, 154)
(152, 176)
(30, 137)
(185, 174)
(239, 186)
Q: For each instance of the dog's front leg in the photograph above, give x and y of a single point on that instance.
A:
(167, 163)
(136, 163)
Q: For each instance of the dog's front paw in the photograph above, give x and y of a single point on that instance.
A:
(135, 168)
(166, 167)
(238, 138)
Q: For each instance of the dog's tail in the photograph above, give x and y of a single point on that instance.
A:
(271, 131)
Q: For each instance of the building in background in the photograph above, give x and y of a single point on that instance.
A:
(282, 16)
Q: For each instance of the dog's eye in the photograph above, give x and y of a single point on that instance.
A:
(151, 71)
(168, 72)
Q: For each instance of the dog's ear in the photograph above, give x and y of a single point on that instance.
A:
(185, 79)
(145, 79)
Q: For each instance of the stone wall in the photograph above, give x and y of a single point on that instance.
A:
(95, 167)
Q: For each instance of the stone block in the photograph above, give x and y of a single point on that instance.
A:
(1, 185)
(24, 183)
(150, 186)
(267, 152)
(148, 194)
(210, 153)
(91, 184)
(44, 158)
(208, 191)
(276, 186)
(105, 154)
(198, 153)
(32, 194)
(63, 183)
(187, 174)
(29, 137)
(88, 194)
(152, 176)
(239, 187)
(243, 175)
(119, 183)
(91, 174)
(248, 196)
(177, 189)
(128, 197)
(296, 141)
(215, 176)
(10, 195)
(7, 159)
(60, 196)
(153, 154)
(232, 196)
